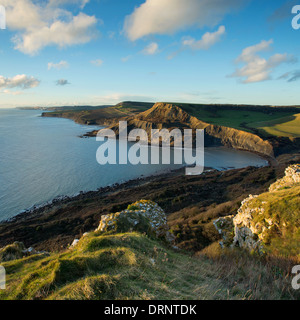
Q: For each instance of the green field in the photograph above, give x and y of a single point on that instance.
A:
(283, 127)
(267, 122)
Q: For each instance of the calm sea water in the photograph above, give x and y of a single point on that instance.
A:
(43, 158)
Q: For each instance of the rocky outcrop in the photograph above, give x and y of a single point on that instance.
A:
(248, 235)
(224, 226)
(263, 218)
(143, 216)
(292, 176)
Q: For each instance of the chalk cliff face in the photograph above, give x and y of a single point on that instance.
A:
(170, 116)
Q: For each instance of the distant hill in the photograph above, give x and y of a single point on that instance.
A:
(267, 130)
(65, 108)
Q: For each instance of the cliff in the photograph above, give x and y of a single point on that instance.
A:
(170, 116)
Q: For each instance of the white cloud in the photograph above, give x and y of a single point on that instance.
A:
(21, 81)
(207, 41)
(151, 49)
(125, 59)
(40, 24)
(62, 82)
(257, 68)
(169, 16)
(97, 62)
(58, 33)
(81, 3)
(13, 93)
(60, 65)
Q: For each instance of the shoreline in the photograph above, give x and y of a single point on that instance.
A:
(53, 227)
(39, 209)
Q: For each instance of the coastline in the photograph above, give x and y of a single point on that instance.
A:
(38, 210)
(53, 227)
(55, 224)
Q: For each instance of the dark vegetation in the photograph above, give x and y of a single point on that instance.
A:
(190, 202)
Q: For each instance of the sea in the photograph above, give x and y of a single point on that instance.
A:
(45, 158)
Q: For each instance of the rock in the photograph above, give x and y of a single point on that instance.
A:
(74, 243)
(245, 234)
(238, 231)
(29, 251)
(292, 176)
(224, 226)
(255, 224)
(143, 216)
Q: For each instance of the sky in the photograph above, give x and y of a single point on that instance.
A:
(95, 52)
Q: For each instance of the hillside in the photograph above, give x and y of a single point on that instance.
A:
(163, 115)
(241, 117)
(101, 115)
(269, 222)
(288, 126)
(126, 260)
(248, 128)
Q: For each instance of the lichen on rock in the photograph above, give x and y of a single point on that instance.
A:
(224, 226)
(246, 233)
(142, 216)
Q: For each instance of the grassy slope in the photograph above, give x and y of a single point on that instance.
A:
(243, 119)
(133, 266)
(97, 115)
(285, 127)
(282, 207)
(110, 267)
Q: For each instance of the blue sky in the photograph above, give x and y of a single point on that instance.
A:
(66, 52)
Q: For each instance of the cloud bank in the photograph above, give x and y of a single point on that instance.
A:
(257, 68)
(170, 16)
(47, 23)
(21, 81)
